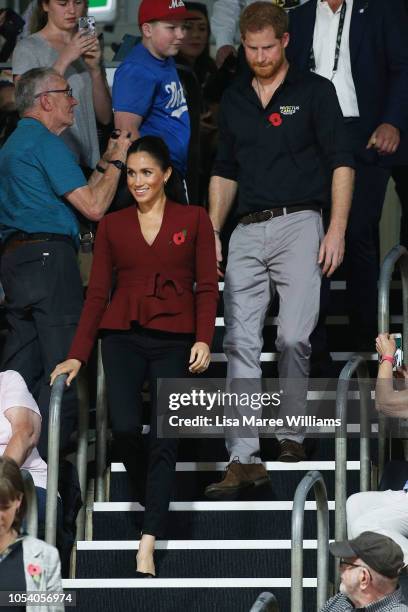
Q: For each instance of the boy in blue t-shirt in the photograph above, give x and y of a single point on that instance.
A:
(148, 97)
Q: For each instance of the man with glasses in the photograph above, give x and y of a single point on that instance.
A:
(370, 566)
(40, 185)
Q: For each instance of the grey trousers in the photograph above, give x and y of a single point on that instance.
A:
(276, 255)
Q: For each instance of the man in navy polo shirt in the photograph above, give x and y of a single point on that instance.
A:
(148, 97)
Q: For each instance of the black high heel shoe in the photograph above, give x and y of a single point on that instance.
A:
(144, 575)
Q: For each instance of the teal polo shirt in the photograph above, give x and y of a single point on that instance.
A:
(36, 169)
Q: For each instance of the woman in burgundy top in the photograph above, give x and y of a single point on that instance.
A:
(158, 323)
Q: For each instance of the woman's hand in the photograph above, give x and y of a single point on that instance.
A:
(385, 345)
(93, 55)
(200, 358)
(70, 367)
(78, 45)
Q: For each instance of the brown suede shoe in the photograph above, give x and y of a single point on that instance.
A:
(238, 476)
(291, 451)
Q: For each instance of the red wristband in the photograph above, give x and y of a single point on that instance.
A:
(387, 358)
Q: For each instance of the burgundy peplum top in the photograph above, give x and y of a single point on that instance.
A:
(170, 285)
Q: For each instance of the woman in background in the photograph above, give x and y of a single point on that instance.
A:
(194, 55)
(26, 563)
(195, 47)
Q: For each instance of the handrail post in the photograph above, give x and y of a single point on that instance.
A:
(311, 480)
(31, 498)
(82, 450)
(101, 430)
(398, 254)
(265, 602)
(54, 424)
(355, 365)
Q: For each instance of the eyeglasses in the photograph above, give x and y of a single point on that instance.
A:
(345, 562)
(68, 92)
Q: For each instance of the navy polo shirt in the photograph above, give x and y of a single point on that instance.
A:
(37, 169)
(284, 154)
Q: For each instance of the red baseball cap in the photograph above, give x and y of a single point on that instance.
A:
(162, 10)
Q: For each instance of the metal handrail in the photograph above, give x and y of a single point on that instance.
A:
(101, 430)
(31, 499)
(397, 255)
(82, 450)
(54, 424)
(359, 366)
(265, 602)
(311, 480)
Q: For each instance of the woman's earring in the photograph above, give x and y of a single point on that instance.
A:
(165, 182)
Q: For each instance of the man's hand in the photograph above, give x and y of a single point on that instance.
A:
(331, 251)
(222, 54)
(385, 139)
(117, 146)
(218, 254)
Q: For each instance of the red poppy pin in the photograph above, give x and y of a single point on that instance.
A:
(179, 237)
(275, 119)
(35, 572)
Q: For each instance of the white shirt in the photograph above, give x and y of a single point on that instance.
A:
(225, 18)
(324, 47)
(14, 392)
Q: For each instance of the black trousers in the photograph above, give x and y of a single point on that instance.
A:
(130, 358)
(362, 255)
(44, 298)
(400, 176)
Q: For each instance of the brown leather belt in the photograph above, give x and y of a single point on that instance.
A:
(21, 238)
(265, 215)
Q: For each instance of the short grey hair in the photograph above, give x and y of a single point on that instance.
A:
(30, 84)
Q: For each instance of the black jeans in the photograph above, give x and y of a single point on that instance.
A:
(129, 358)
(44, 298)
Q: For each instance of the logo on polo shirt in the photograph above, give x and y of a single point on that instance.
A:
(289, 110)
(174, 4)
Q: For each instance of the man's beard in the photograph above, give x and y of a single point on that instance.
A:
(268, 70)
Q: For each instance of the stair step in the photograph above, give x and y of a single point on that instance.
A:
(160, 595)
(195, 545)
(184, 583)
(274, 357)
(224, 524)
(203, 563)
(190, 486)
(271, 466)
(208, 506)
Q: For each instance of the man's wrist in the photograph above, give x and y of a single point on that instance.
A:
(337, 227)
(102, 166)
(119, 164)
